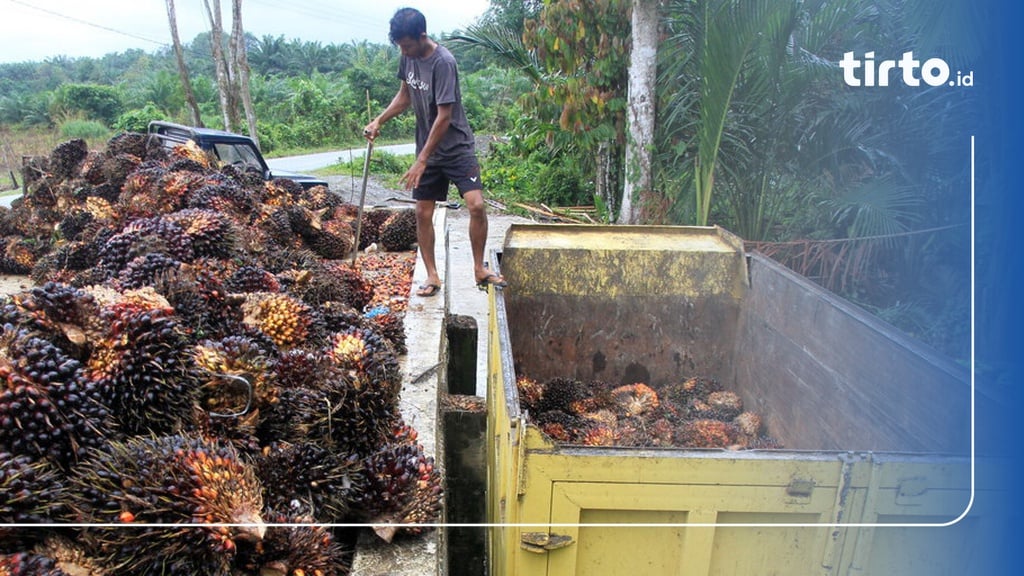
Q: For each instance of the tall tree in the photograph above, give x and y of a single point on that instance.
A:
(238, 55)
(640, 109)
(223, 67)
(186, 84)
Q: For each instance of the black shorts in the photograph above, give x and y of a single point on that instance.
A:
(463, 171)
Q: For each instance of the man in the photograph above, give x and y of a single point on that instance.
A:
(445, 149)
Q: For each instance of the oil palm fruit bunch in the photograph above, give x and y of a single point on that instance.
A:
(295, 545)
(560, 393)
(69, 556)
(369, 356)
(142, 369)
(402, 487)
(210, 233)
(283, 318)
(707, 433)
(47, 408)
(30, 490)
(200, 300)
(306, 478)
(398, 232)
(198, 485)
(634, 399)
(252, 278)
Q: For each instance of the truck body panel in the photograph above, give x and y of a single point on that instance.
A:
(875, 427)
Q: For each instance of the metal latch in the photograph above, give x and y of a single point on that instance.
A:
(541, 542)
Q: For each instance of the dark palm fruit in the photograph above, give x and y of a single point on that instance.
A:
(296, 546)
(30, 491)
(118, 167)
(145, 270)
(250, 278)
(560, 425)
(142, 370)
(91, 169)
(308, 479)
(560, 393)
(236, 376)
(334, 282)
(318, 198)
(392, 327)
(47, 409)
(200, 300)
(373, 220)
(297, 417)
(18, 256)
(402, 487)
(300, 367)
(398, 233)
(73, 224)
(201, 484)
(226, 197)
(57, 309)
(133, 143)
(28, 564)
(66, 158)
(334, 240)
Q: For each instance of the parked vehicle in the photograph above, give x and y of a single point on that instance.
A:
(227, 148)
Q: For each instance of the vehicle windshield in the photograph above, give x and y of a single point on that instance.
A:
(237, 154)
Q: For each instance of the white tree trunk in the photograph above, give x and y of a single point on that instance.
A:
(186, 84)
(242, 68)
(643, 59)
(229, 111)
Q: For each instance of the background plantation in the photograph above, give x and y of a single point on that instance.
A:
(865, 191)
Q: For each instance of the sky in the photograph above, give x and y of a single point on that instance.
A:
(35, 30)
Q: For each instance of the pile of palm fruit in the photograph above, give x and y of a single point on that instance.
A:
(199, 380)
(694, 412)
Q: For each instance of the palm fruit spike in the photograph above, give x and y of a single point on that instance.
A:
(30, 491)
(285, 319)
(295, 545)
(307, 478)
(402, 487)
(369, 357)
(198, 483)
(142, 370)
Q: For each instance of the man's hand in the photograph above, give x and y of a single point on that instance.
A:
(372, 130)
(412, 176)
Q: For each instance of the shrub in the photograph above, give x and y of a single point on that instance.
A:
(84, 129)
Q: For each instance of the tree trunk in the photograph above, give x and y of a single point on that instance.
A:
(604, 183)
(179, 54)
(225, 83)
(643, 59)
(242, 68)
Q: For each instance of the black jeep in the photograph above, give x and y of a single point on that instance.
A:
(226, 148)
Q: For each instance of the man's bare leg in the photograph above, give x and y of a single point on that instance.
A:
(425, 239)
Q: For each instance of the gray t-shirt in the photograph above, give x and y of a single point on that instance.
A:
(435, 80)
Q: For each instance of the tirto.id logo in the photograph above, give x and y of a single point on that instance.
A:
(933, 71)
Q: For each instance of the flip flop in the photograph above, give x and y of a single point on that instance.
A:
(428, 290)
(491, 280)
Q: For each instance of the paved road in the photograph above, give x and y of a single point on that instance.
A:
(308, 162)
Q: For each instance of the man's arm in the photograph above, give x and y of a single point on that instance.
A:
(400, 103)
(437, 131)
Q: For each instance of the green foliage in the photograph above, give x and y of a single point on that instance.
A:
(138, 120)
(95, 102)
(89, 130)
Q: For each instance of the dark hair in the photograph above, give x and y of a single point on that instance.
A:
(407, 23)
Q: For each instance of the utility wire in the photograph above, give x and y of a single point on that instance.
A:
(87, 23)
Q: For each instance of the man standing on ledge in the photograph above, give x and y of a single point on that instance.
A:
(445, 148)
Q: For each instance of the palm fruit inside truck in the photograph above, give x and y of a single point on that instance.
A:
(862, 464)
